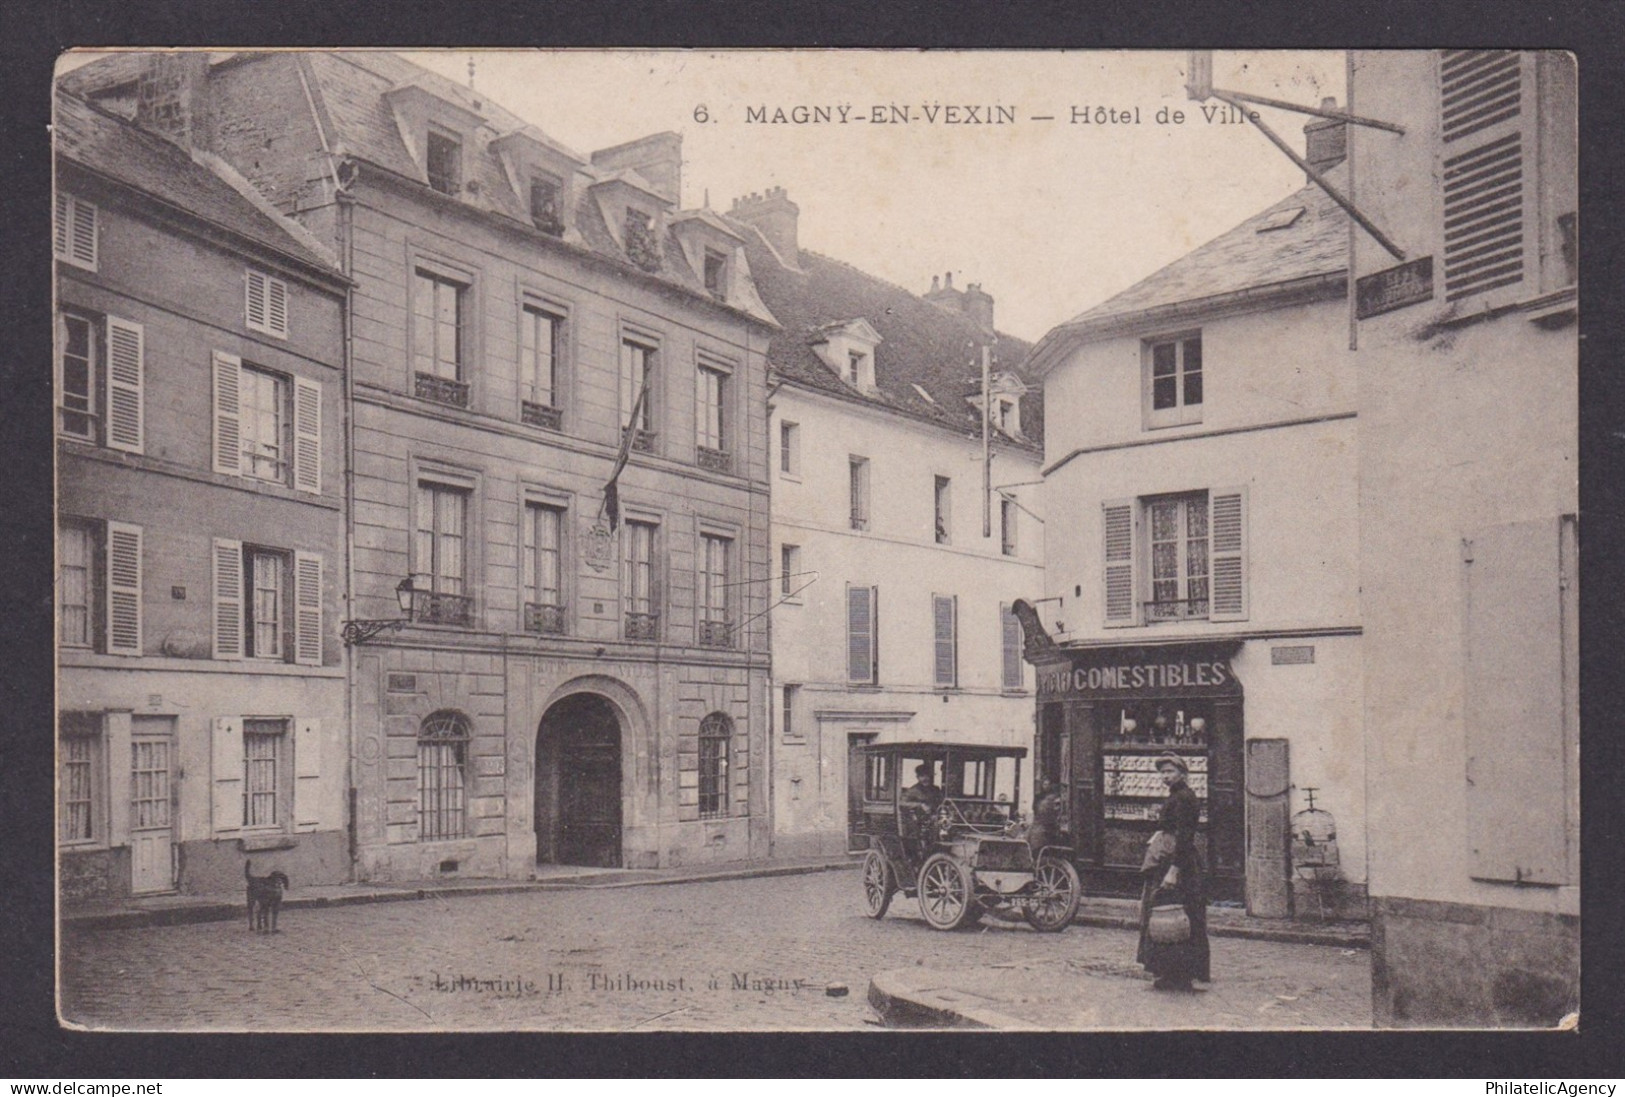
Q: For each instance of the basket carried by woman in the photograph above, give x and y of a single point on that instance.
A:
(1173, 903)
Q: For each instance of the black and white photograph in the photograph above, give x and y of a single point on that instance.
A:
(816, 540)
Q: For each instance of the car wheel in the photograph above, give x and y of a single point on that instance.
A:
(945, 892)
(1056, 894)
(878, 884)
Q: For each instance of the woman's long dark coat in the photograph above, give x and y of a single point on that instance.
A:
(1181, 814)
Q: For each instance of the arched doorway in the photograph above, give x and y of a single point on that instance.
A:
(578, 783)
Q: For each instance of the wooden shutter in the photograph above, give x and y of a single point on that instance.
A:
(1118, 521)
(307, 772)
(307, 609)
(307, 435)
(1010, 648)
(255, 294)
(276, 306)
(123, 589)
(942, 627)
(1516, 771)
(860, 637)
(126, 368)
(74, 231)
(227, 756)
(228, 599)
(1482, 169)
(1227, 528)
(228, 429)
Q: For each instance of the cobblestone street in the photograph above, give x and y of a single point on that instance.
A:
(746, 954)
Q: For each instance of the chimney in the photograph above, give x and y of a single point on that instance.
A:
(172, 98)
(1325, 140)
(978, 306)
(944, 295)
(775, 217)
(658, 158)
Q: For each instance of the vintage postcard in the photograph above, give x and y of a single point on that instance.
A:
(816, 540)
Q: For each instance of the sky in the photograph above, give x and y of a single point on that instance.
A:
(1050, 217)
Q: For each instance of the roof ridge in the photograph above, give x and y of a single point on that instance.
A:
(997, 334)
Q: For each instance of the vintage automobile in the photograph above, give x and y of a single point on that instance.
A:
(958, 844)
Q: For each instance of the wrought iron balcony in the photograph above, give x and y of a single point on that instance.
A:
(714, 459)
(540, 415)
(442, 390)
(716, 634)
(643, 441)
(544, 617)
(643, 626)
(1190, 609)
(436, 608)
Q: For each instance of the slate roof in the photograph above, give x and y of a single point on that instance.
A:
(113, 147)
(1313, 244)
(922, 344)
(348, 88)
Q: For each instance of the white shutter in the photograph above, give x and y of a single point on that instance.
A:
(1010, 648)
(942, 627)
(255, 301)
(860, 640)
(307, 435)
(276, 306)
(228, 426)
(1483, 168)
(1227, 527)
(126, 416)
(307, 772)
(307, 609)
(1118, 520)
(227, 754)
(228, 599)
(123, 589)
(74, 232)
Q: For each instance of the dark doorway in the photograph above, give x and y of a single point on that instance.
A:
(578, 783)
(857, 840)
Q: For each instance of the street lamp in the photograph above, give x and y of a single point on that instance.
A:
(359, 631)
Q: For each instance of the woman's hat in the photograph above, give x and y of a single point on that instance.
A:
(1169, 758)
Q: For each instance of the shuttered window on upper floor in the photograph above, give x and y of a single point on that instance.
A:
(1484, 165)
(74, 232)
(267, 304)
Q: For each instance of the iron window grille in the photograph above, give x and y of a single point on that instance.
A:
(716, 734)
(442, 776)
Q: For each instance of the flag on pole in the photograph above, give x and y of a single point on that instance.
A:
(612, 490)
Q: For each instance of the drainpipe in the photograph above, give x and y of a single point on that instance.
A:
(345, 203)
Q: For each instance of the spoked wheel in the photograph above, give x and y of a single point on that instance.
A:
(1056, 893)
(945, 892)
(878, 884)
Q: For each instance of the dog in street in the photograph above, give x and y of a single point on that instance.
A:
(264, 898)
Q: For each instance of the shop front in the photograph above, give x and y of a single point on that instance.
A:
(1104, 715)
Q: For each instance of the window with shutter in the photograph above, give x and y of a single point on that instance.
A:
(1228, 554)
(228, 599)
(1118, 521)
(267, 304)
(125, 381)
(307, 435)
(1480, 106)
(307, 609)
(123, 589)
(74, 237)
(944, 629)
(1013, 676)
(862, 661)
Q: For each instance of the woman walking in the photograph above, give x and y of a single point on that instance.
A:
(1173, 873)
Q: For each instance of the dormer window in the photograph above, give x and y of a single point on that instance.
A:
(854, 366)
(545, 205)
(444, 162)
(716, 273)
(642, 245)
(847, 347)
(1007, 415)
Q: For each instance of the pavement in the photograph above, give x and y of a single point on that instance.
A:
(775, 946)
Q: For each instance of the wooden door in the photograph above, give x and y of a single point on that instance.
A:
(152, 857)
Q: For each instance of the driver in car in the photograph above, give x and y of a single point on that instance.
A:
(923, 796)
